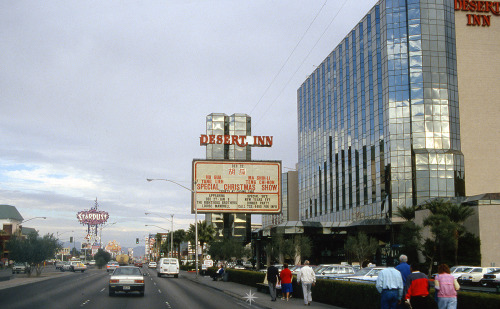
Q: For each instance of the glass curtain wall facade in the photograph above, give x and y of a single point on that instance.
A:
(378, 119)
(229, 225)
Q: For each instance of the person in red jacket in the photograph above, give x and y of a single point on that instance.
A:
(417, 290)
(286, 281)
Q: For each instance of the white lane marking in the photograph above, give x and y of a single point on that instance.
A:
(168, 305)
(154, 283)
(103, 289)
(159, 291)
(84, 303)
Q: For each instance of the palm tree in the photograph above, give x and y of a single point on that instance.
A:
(458, 213)
(407, 213)
(206, 233)
(179, 237)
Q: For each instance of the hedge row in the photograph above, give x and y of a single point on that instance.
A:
(356, 295)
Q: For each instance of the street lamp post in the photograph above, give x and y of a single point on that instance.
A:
(33, 219)
(195, 217)
(171, 236)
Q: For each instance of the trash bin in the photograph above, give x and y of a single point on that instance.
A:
(225, 277)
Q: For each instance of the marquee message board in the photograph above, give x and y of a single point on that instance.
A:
(237, 186)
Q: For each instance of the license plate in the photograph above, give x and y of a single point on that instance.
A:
(126, 288)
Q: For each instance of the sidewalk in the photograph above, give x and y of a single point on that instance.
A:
(9, 280)
(241, 292)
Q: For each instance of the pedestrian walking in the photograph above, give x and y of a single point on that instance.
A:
(417, 290)
(405, 271)
(390, 286)
(273, 277)
(447, 287)
(308, 279)
(286, 282)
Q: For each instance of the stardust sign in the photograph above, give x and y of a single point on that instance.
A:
(237, 186)
(92, 217)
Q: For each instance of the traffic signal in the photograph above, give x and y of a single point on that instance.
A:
(137, 240)
(71, 239)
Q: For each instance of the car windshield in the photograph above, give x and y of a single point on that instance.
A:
(363, 271)
(124, 271)
(460, 269)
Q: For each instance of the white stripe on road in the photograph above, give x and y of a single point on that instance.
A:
(159, 291)
(88, 300)
(103, 289)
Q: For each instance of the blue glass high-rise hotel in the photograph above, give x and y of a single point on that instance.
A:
(378, 120)
(404, 109)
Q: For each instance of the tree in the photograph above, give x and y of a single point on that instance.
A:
(228, 249)
(446, 223)
(33, 249)
(102, 258)
(302, 246)
(410, 237)
(361, 246)
(179, 238)
(206, 233)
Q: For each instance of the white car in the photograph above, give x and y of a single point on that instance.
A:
(168, 266)
(475, 275)
(333, 270)
(74, 266)
(457, 271)
(367, 274)
(126, 279)
(152, 265)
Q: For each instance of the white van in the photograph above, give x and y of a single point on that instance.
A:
(168, 266)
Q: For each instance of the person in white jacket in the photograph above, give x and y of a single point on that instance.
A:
(308, 279)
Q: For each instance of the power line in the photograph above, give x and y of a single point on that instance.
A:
(289, 56)
(298, 68)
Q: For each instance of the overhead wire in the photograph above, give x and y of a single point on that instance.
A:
(288, 58)
(298, 68)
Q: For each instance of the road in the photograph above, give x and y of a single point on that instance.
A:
(90, 290)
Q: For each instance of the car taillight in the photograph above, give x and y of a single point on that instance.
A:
(113, 281)
(139, 281)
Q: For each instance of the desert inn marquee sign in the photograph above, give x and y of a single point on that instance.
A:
(473, 7)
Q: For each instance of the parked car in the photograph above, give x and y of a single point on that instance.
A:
(92, 263)
(138, 264)
(21, 268)
(168, 266)
(59, 264)
(475, 275)
(367, 274)
(491, 279)
(126, 279)
(152, 265)
(334, 270)
(112, 265)
(457, 271)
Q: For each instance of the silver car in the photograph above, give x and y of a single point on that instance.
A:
(126, 279)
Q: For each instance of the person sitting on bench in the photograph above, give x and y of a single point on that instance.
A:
(219, 273)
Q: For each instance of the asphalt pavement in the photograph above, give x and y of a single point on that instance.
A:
(235, 290)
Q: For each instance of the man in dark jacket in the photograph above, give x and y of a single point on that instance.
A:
(273, 277)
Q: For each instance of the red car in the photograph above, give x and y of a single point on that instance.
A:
(138, 264)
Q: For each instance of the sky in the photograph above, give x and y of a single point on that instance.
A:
(97, 96)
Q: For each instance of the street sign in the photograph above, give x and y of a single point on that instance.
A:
(208, 263)
(208, 257)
